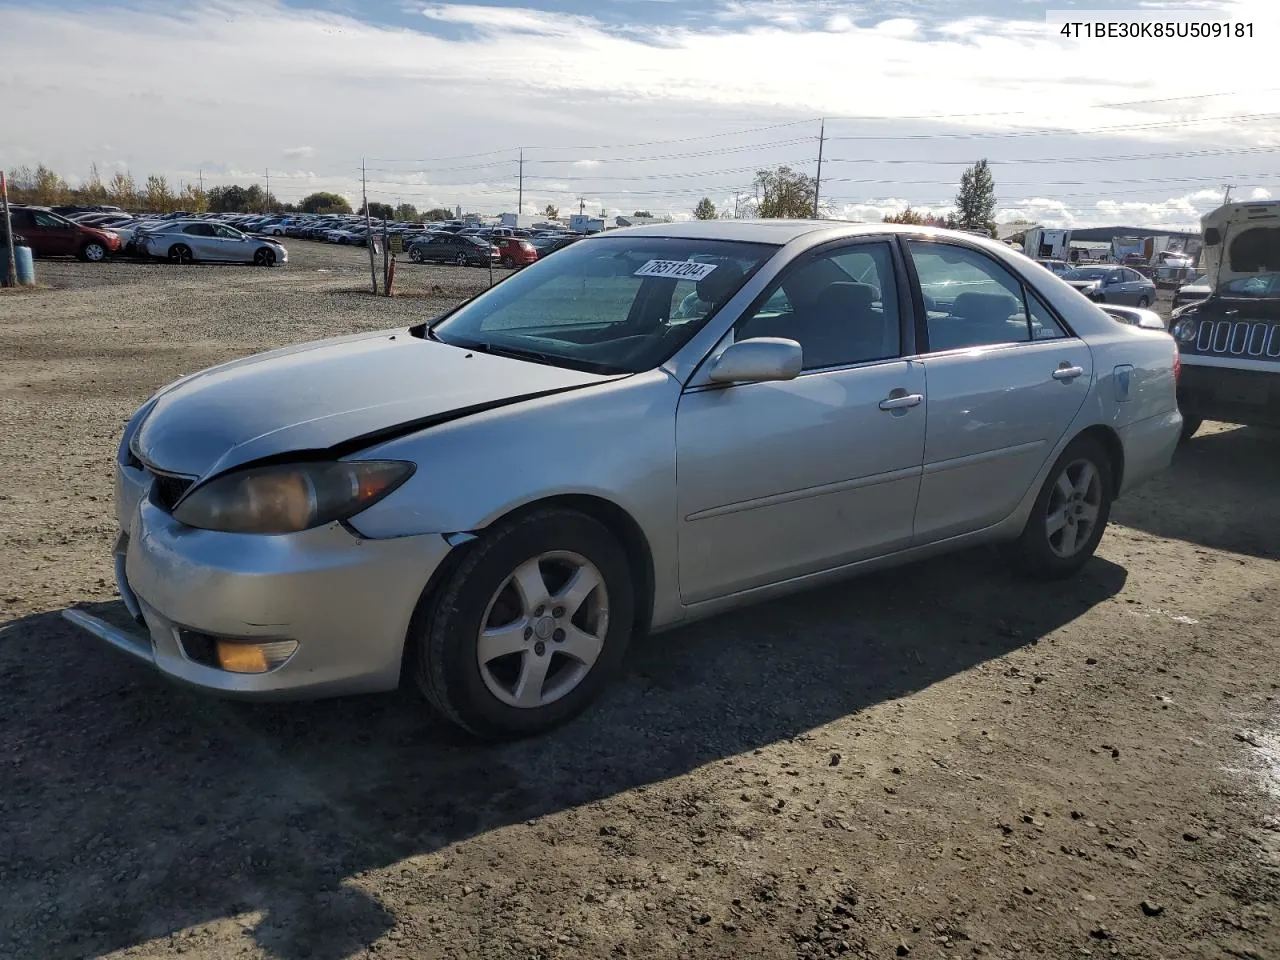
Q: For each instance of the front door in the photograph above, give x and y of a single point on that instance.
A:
(777, 480)
(1005, 381)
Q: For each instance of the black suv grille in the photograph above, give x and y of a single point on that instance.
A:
(1259, 340)
(166, 491)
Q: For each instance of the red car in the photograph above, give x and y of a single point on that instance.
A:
(514, 252)
(51, 235)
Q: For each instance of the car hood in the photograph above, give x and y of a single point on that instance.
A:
(346, 392)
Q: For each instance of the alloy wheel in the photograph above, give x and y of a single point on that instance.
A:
(543, 629)
(1073, 508)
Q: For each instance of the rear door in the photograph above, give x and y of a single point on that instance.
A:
(56, 236)
(1005, 378)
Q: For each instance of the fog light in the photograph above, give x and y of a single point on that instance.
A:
(237, 656)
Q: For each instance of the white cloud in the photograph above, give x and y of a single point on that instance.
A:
(1260, 193)
(348, 89)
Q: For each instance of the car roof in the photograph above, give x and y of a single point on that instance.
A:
(777, 232)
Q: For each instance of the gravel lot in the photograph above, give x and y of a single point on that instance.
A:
(935, 761)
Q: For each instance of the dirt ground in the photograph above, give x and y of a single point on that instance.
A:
(938, 761)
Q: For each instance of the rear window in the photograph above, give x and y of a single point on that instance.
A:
(1256, 250)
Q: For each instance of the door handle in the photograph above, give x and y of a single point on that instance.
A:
(1065, 372)
(901, 402)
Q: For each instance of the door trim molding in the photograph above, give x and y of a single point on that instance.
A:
(807, 493)
(942, 466)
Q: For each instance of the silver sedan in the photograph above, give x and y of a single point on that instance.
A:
(493, 504)
(189, 241)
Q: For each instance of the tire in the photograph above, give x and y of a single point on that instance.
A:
(507, 262)
(1189, 427)
(1043, 553)
(460, 260)
(93, 252)
(264, 257)
(1143, 303)
(180, 253)
(415, 254)
(482, 697)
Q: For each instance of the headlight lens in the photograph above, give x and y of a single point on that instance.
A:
(1184, 330)
(290, 497)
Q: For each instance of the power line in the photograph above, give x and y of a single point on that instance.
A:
(1062, 132)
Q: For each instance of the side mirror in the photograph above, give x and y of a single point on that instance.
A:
(1150, 321)
(758, 360)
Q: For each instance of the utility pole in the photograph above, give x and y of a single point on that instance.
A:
(1226, 196)
(202, 181)
(582, 205)
(368, 222)
(520, 195)
(267, 201)
(737, 194)
(11, 268)
(817, 183)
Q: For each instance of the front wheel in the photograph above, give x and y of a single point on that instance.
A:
(93, 252)
(460, 260)
(1069, 515)
(529, 627)
(265, 257)
(415, 254)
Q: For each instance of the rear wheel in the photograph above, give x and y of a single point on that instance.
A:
(1069, 516)
(1189, 427)
(415, 254)
(1143, 302)
(507, 262)
(265, 257)
(180, 253)
(93, 252)
(529, 627)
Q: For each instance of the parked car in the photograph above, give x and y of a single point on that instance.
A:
(515, 253)
(455, 502)
(1112, 284)
(1057, 267)
(453, 248)
(190, 241)
(1197, 289)
(550, 245)
(52, 235)
(1229, 342)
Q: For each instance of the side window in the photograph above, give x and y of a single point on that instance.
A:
(970, 300)
(1043, 325)
(841, 307)
(227, 233)
(47, 220)
(198, 230)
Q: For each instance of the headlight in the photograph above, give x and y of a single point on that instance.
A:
(290, 497)
(1184, 330)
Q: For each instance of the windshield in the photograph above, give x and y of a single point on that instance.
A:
(612, 305)
(1086, 273)
(1261, 285)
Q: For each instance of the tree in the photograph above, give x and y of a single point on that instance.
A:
(551, 212)
(193, 199)
(907, 216)
(158, 196)
(49, 188)
(642, 213)
(436, 214)
(705, 210)
(122, 191)
(322, 202)
(93, 191)
(785, 193)
(406, 211)
(976, 201)
(379, 211)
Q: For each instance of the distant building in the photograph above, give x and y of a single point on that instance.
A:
(639, 221)
(582, 223)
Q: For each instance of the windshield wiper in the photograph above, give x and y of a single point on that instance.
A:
(514, 353)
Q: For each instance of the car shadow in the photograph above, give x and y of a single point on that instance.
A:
(1222, 491)
(135, 808)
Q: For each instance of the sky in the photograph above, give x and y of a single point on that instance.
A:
(625, 105)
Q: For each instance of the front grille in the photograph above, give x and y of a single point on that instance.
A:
(167, 490)
(1259, 340)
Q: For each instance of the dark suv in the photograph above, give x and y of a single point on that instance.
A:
(450, 248)
(51, 235)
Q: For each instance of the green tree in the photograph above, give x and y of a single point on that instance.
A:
(976, 201)
(379, 211)
(406, 211)
(193, 199)
(436, 214)
(785, 193)
(642, 213)
(551, 212)
(705, 210)
(322, 202)
(157, 195)
(907, 216)
(122, 191)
